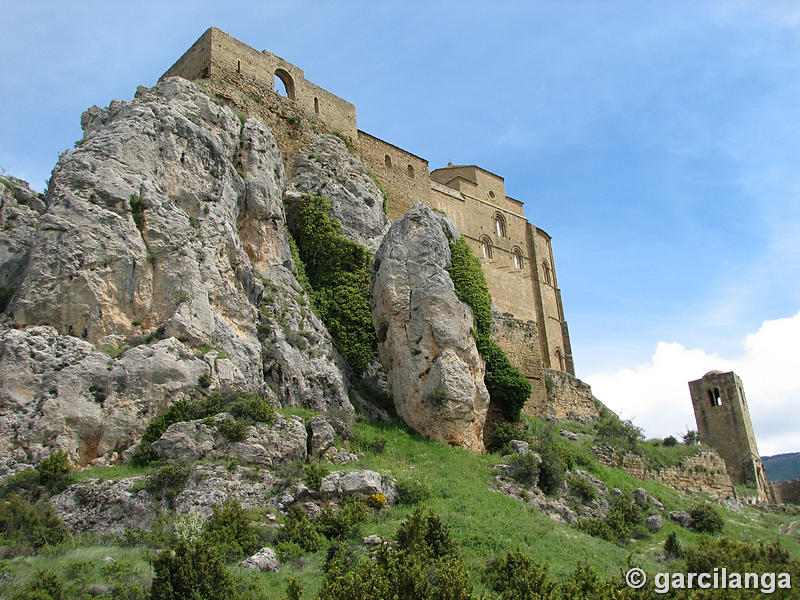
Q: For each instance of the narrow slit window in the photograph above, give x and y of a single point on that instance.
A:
(316, 105)
(387, 160)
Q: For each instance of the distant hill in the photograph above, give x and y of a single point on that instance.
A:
(782, 466)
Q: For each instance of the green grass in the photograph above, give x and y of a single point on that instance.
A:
(115, 472)
(660, 455)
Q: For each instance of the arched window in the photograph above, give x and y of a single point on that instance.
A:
(316, 105)
(517, 255)
(410, 171)
(486, 247)
(546, 272)
(284, 84)
(387, 160)
(559, 359)
(500, 225)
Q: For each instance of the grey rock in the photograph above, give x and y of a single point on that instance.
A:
(18, 222)
(321, 437)
(681, 517)
(263, 560)
(61, 393)
(569, 435)
(362, 483)
(332, 172)
(267, 445)
(424, 332)
(519, 447)
(99, 589)
(656, 503)
(640, 497)
(373, 540)
(654, 523)
(616, 492)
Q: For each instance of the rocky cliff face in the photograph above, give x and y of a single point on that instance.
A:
(162, 256)
(424, 332)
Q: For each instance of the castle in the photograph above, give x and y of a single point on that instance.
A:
(516, 256)
(723, 422)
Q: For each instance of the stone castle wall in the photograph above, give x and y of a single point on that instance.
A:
(520, 341)
(702, 473)
(785, 492)
(566, 397)
(519, 269)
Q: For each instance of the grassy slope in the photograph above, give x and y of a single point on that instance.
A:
(484, 523)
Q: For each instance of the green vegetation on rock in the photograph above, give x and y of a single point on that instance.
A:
(338, 272)
(508, 388)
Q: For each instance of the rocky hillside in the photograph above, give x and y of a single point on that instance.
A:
(159, 266)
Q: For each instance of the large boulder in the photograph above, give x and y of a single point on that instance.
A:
(330, 170)
(424, 332)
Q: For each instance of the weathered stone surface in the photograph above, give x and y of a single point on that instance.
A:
(424, 332)
(60, 392)
(266, 445)
(321, 437)
(330, 170)
(360, 483)
(20, 208)
(569, 435)
(263, 560)
(681, 517)
(519, 447)
(570, 398)
(640, 497)
(654, 523)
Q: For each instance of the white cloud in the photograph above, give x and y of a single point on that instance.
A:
(655, 395)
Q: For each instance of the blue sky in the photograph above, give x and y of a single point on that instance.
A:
(658, 144)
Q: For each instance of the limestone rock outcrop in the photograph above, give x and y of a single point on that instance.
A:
(263, 444)
(424, 332)
(330, 170)
(161, 241)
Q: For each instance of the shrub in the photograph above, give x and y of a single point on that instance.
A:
(518, 576)
(299, 530)
(624, 520)
(582, 487)
(690, 438)
(338, 271)
(345, 522)
(253, 408)
(552, 469)
(179, 411)
(233, 430)
(25, 483)
(706, 518)
(504, 433)
(526, 468)
(508, 388)
(376, 444)
(670, 441)
(314, 473)
(204, 381)
(377, 500)
(230, 531)
(166, 482)
(45, 585)
(618, 433)
(30, 525)
(672, 546)
(138, 206)
(55, 472)
(411, 492)
(191, 571)
(341, 557)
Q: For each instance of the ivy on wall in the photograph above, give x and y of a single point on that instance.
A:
(508, 388)
(337, 270)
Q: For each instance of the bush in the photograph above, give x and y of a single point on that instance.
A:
(706, 518)
(617, 433)
(504, 433)
(314, 473)
(45, 585)
(30, 525)
(552, 469)
(231, 532)
(345, 522)
(672, 546)
(338, 272)
(411, 492)
(376, 444)
(690, 438)
(166, 482)
(234, 431)
(138, 206)
(527, 468)
(670, 441)
(25, 483)
(299, 530)
(582, 487)
(623, 521)
(55, 472)
(253, 408)
(518, 576)
(508, 388)
(189, 572)
(179, 411)
(377, 500)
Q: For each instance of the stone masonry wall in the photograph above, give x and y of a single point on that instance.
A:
(520, 341)
(567, 397)
(702, 473)
(404, 175)
(785, 492)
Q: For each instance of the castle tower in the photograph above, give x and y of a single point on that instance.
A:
(723, 422)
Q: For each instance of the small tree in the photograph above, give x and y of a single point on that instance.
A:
(690, 438)
(706, 518)
(191, 572)
(672, 546)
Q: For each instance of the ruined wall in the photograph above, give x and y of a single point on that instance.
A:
(405, 176)
(702, 473)
(520, 341)
(785, 492)
(567, 397)
(723, 422)
(217, 55)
